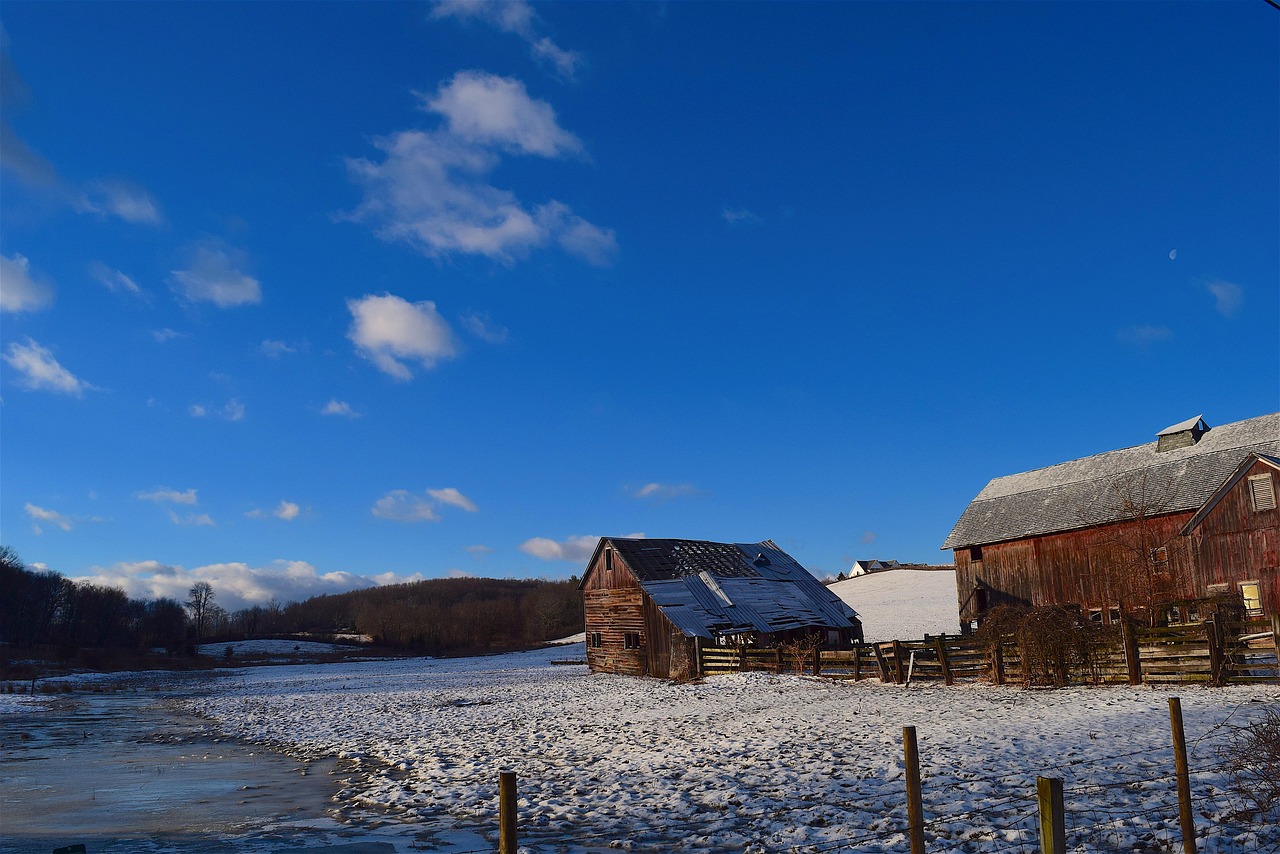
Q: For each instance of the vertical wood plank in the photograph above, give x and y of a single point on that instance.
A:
(507, 812)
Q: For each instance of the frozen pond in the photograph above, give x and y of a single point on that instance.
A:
(129, 771)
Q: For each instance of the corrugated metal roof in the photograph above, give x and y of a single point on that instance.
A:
(1093, 490)
(765, 588)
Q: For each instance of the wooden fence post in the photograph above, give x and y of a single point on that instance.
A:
(1217, 666)
(1132, 659)
(857, 660)
(698, 666)
(940, 644)
(507, 812)
(778, 650)
(1053, 825)
(915, 801)
(997, 664)
(1185, 816)
(817, 661)
(881, 663)
(1275, 639)
(897, 661)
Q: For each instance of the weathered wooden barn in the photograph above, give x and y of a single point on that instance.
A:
(1154, 528)
(650, 603)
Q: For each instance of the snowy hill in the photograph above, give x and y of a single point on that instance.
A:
(903, 604)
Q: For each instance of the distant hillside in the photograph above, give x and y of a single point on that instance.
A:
(903, 604)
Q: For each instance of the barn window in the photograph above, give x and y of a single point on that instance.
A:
(595, 640)
(1095, 615)
(608, 560)
(975, 554)
(1114, 615)
(1160, 559)
(1262, 492)
(1251, 592)
(631, 640)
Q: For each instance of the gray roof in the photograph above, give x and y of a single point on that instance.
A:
(1096, 490)
(709, 589)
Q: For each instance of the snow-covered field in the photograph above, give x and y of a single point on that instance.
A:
(902, 604)
(748, 762)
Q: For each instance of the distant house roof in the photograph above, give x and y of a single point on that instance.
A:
(710, 589)
(1093, 490)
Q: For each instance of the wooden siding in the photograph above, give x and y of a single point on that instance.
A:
(1235, 543)
(1074, 567)
(613, 613)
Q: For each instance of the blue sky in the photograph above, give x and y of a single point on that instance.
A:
(300, 297)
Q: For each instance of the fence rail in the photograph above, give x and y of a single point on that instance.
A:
(1176, 654)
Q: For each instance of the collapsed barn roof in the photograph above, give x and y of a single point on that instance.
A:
(1156, 478)
(713, 589)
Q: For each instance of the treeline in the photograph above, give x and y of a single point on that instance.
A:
(42, 607)
(447, 615)
(437, 617)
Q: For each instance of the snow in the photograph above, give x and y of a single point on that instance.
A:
(745, 762)
(903, 604)
(580, 637)
(271, 647)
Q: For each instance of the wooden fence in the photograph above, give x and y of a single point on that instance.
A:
(1176, 654)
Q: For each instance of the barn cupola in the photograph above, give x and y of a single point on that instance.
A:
(1182, 435)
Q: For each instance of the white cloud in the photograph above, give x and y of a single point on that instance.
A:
(387, 329)
(487, 109)
(1144, 336)
(194, 520)
(124, 199)
(165, 494)
(479, 551)
(213, 275)
(276, 348)
(739, 216)
(1227, 296)
(20, 290)
(518, 18)
(40, 370)
(339, 407)
(481, 326)
(869, 537)
(451, 496)
(287, 511)
(235, 585)
(430, 192)
(49, 517)
(232, 410)
(166, 334)
(576, 548)
(400, 505)
(458, 573)
(663, 491)
(114, 280)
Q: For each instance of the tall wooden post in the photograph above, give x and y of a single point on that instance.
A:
(997, 664)
(1053, 824)
(507, 812)
(1185, 816)
(940, 645)
(1275, 639)
(1217, 664)
(915, 801)
(897, 662)
(1132, 662)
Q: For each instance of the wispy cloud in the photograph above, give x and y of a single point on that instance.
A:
(274, 349)
(285, 510)
(401, 505)
(518, 18)
(868, 537)
(430, 189)
(213, 274)
(576, 548)
(39, 370)
(165, 494)
(665, 491)
(191, 520)
(47, 517)
(120, 198)
(479, 551)
(481, 326)
(339, 407)
(114, 280)
(1144, 336)
(739, 216)
(166, 334)
(20, 289)
(1227, 296)
(389, 331)
(232, 410)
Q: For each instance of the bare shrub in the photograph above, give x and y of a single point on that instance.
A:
(799, 652)
(1051, 641)
(1251, 754)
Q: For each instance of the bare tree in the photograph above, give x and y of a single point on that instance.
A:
(1140, 566)
(200, 604)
